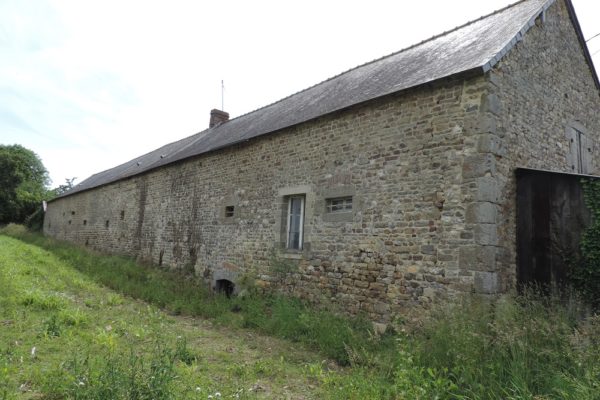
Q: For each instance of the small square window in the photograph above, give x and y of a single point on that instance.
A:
(229, 211)
(339, 205)
(122, 215)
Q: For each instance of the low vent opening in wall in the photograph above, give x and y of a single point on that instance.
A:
(225, 287)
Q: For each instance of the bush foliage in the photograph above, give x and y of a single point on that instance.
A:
(23, 181)
(586, 271)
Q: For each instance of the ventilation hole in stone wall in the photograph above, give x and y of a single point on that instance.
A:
(85, 222)
(106, 223)
(122, 215)
(160, 257)
(87, 242)
(229, 211)
(69, 222)
(72, 212)
(225, 287)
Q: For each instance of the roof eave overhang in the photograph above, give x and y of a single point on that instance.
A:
(522, 170)
(521, 34)
(518, 37)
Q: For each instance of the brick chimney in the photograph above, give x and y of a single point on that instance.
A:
(217, 117)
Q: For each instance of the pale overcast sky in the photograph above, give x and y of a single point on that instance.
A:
(90, 84)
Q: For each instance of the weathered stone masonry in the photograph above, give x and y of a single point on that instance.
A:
(541, 90)
(430, 171)
(401, 245)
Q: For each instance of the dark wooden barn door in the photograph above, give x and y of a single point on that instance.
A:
(551, 216)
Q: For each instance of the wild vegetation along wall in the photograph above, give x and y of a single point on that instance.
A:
(398, 161)
(544, 115)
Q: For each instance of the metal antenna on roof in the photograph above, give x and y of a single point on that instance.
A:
(222, 96)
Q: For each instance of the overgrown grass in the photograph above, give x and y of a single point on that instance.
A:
(271, 314)
(514, 347)
(63, 336)
(518, 347)
(111, 375)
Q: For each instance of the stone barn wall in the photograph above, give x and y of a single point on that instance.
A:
(543, 94)
(430, 171)
(401, 159)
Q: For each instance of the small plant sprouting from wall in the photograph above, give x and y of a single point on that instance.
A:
(247, 281)
(586, 274)
(279, 267)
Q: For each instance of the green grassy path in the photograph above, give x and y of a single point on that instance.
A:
(64, 336)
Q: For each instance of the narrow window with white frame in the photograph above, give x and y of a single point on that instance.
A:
(295, 222)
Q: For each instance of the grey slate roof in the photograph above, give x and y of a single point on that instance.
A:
(474, 47)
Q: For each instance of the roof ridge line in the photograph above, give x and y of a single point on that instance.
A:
(132, 160)
(383, 57)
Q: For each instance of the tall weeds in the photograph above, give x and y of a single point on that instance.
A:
(115, 375)
(271, 314)
(512, 348)
(530, 346)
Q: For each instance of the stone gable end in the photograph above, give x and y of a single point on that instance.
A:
(543, 92)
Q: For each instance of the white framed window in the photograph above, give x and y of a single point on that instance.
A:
(295, 223)
(339, 205)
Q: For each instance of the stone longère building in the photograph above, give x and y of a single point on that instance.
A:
(388, 186)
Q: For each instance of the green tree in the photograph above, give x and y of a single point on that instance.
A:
(68, 185)
(23, 183)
